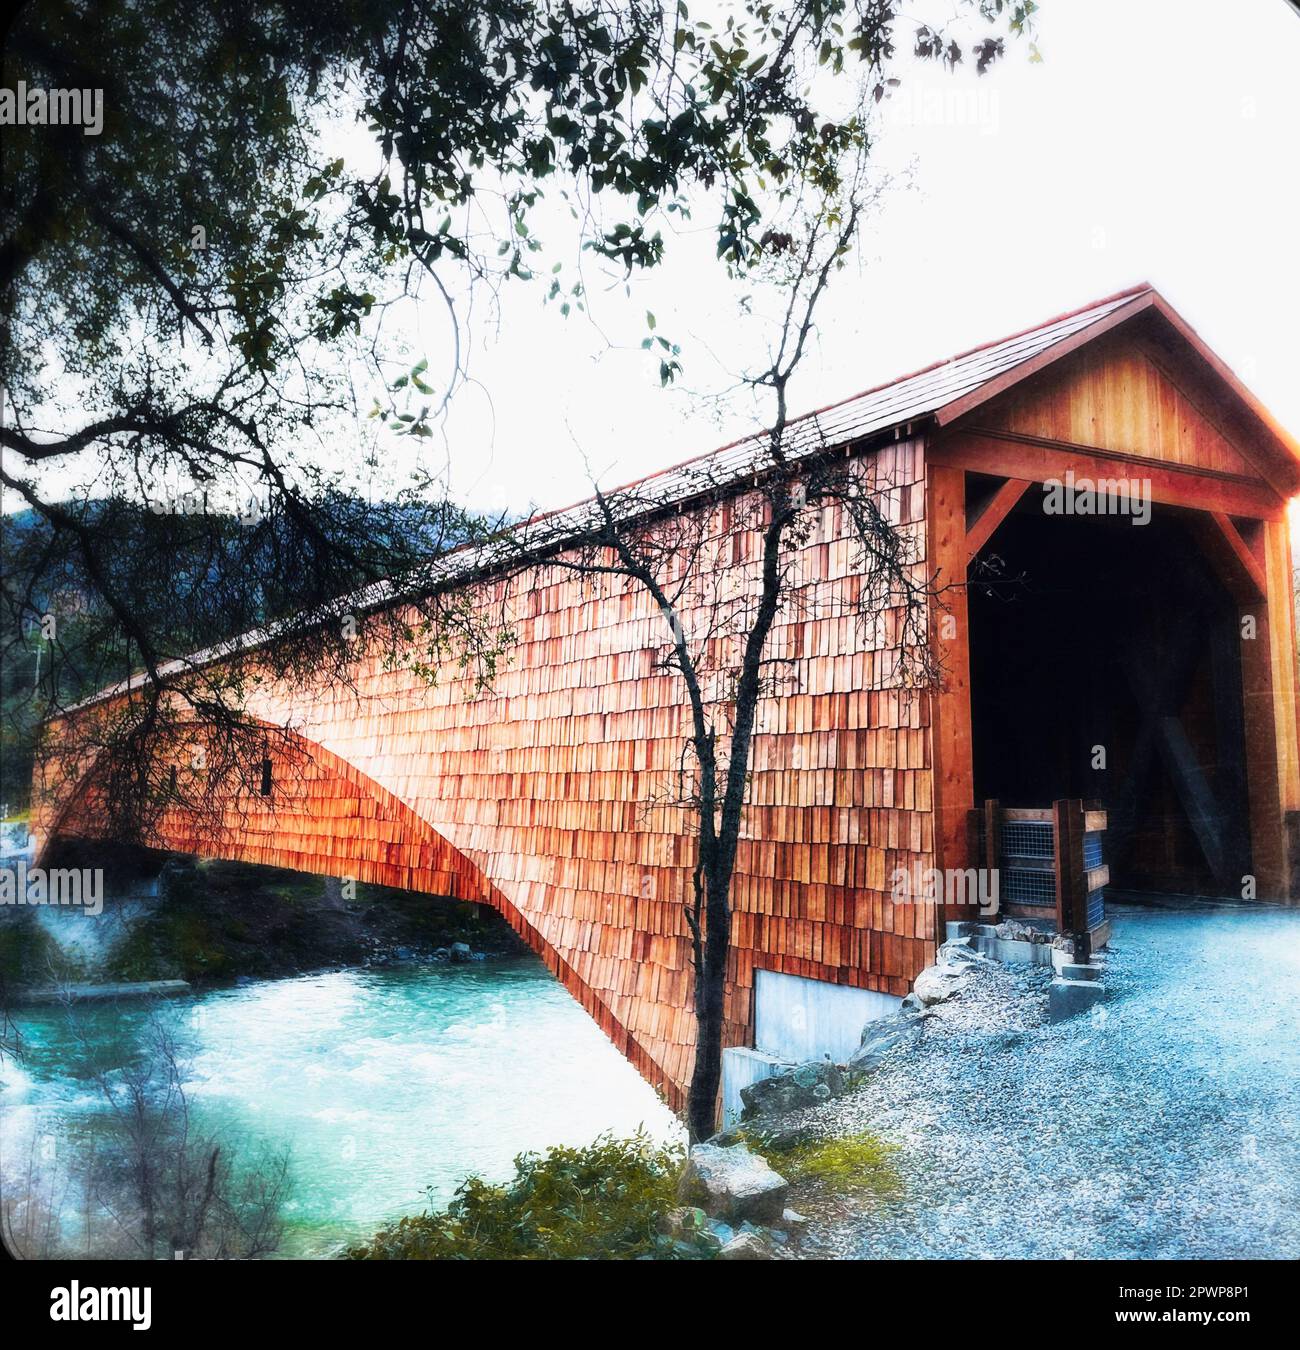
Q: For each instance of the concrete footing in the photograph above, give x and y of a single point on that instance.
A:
(1076, 986)
(742, 1066)
(1069, 998)
(101, 993)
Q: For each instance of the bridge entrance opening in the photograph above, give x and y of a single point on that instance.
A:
(1106, 664)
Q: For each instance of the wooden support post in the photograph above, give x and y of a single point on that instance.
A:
(954, 779)
(1071, 881)
(993, 842)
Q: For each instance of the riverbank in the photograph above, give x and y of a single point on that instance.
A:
(210, 923)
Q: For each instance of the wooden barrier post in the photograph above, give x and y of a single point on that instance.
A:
(1071, 881)
(993, 845)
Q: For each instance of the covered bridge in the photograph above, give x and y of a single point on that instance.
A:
(1142, 656)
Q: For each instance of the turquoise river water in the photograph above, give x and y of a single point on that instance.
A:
(383, 1083)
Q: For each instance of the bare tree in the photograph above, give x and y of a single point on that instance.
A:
(671, 537)
(192, 296)
(164, 1184)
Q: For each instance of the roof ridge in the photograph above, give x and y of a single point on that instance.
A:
(1129, 292)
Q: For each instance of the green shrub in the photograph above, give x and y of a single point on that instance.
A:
(600, 1202)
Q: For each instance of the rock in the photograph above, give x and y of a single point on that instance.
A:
(179, 877)
(959, 952)
(937, 984)
(910, 1004)
(794, 1090)
(1021, 932)
(460, 951)
(746, 1247)
(792, 1220)
(732, 1184)
(692, 1231)
(441, 954)
(879, 1038)
(404, 954)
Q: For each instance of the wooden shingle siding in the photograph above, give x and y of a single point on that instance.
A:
(551, 795)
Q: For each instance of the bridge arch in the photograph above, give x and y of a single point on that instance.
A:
(327, 817)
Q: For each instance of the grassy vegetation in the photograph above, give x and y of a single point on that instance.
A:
(860, 1163)
(600, 1202)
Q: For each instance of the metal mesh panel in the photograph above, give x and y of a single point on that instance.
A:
(1092, 849)
(1023, 886)
(1096, 908)
(1027, 838)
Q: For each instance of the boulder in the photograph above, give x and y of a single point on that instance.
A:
(936, 984)
(179, 877)
(746, 1247)
(732, 1184)
(794, 1090)
(460, 951)
(879, 1038)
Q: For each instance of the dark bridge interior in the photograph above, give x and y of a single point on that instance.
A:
(1098, 632)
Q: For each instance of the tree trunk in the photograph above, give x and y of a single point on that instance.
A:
(710, 992)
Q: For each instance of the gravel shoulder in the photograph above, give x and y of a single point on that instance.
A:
(1164, 1124)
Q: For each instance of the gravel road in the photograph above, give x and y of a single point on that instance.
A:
(1164, 1124)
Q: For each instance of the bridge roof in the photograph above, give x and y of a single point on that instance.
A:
(934, 396)
(947, 389)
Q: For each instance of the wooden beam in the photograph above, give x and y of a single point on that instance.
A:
(999, 506)
(1196, 796)
(1011, 455)
(1285, 659)
(1071, 879)
(953, 767)
(1230, 556)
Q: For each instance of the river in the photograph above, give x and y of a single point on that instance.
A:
(385, 1084)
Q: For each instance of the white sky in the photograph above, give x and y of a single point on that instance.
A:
(1156, 141)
